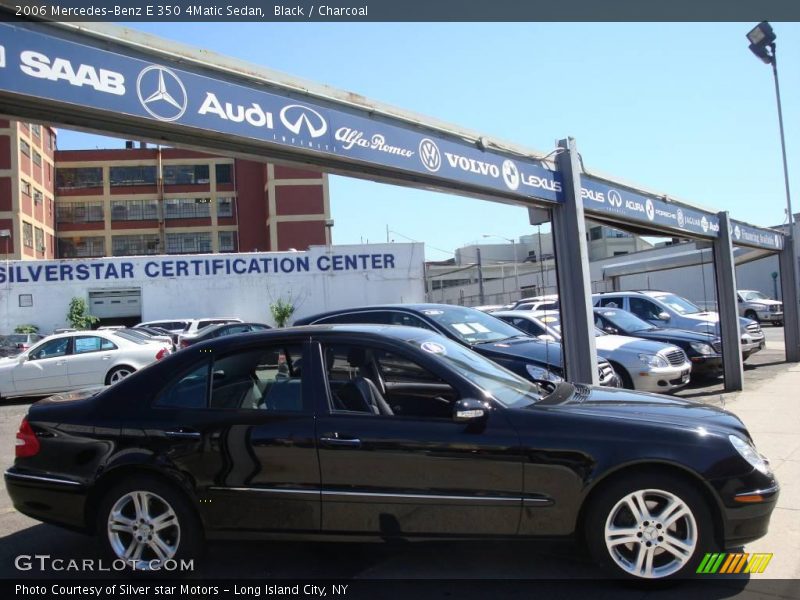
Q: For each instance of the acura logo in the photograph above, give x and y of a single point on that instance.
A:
(161, 93)
(614, 198)
(650, 209)
(511, 174)
(297, 117)
(429, 155)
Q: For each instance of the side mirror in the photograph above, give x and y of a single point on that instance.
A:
(739, 300)
(663, 316)
(469, 411)
(611, 330)
(22, 357)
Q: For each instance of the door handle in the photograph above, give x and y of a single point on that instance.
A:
(183, 434)
(336, 440)
(61, 363)
(107, 357)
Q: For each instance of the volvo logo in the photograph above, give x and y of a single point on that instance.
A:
(297, 117)
(650, 209)
(681, 218)
(161, 93)
(737, 232)
(429, 155)
(614, 198)
(511, 174)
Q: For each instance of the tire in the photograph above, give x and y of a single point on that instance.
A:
(678, 533)
(777, 323)
(118, 373)
(624, 376)
(750, 314)
(168, 528)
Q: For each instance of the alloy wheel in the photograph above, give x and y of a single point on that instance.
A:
(144, 528)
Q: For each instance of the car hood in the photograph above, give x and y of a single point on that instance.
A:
(711, 319)
(682, 335)
(764, 302)
(523, 347)
(653, 408)
(624, 343)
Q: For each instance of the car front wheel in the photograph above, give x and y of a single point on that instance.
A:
(118, 374)
(649, 527)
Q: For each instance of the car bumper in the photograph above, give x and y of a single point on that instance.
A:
(747, 508)
(660, 380)
(51, 499)
(772, 317)
(707, 366)
(751, 345)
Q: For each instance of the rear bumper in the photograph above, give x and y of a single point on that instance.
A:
(50, 499)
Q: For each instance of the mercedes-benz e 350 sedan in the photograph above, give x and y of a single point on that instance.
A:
(387, 432)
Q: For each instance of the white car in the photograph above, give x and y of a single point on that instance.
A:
(759, 307)
(196, 325)
(75, 360)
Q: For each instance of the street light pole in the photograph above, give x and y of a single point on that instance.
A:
(783, 140)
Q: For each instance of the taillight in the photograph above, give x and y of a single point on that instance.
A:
(162, 353)
(27, 443)
(184, 344)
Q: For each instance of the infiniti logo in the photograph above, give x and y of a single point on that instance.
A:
(510, 174)
(650, 209)
(614, 198)
(429, 155)
(297, 117)
(161, 93)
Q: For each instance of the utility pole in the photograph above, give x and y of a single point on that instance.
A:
(481, 291)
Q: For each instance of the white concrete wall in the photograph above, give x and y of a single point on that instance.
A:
(381, 273)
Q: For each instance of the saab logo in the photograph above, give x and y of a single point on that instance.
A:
(681, 219)
(296, 117)
(614, 198)
(38, 65)
(161, 93)
(777, 241)
(592, 195)
(737, 232)
(429, 155)
(511, 174)
(2, 57)
(731, 563)
(472, 165)
(650, 210)
(704, 224)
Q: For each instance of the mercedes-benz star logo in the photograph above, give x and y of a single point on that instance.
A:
(511, 174)
(161, 93)
(297, 117)
(650, 209)
(429, 155)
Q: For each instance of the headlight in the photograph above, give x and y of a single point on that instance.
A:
(750, 454)
(702, 348)
(653, 361)
(542, 374)
(758, 306)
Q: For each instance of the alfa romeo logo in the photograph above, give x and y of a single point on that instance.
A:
(650, 209)
(297, 117)
(161, 93)
(511, 174)
(429, 155)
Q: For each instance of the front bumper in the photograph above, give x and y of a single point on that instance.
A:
(743, 522)
(707, 366)
(660, 379)
(771, 317)
(50, 499)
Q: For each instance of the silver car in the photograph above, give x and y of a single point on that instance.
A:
(641, 364)
(758, 306)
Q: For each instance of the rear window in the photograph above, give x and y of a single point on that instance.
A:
(207, 322)
(136, 339)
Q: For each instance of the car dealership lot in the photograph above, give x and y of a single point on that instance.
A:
(766, 407)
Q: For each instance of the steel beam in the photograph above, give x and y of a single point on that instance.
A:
(725, 269)
(789, 294)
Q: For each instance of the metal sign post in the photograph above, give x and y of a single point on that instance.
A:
(728, 306)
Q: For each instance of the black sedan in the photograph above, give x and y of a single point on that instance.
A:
(355, 432)
(703, 349)
(220, 330)
(508, 346)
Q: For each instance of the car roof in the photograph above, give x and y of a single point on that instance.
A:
(413, 308)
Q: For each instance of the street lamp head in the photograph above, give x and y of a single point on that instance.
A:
(762, 42)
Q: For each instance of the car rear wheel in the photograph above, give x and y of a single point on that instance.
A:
(649, 527)
(146, 522)
(118, 373)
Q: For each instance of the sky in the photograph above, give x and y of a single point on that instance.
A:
(679, 108)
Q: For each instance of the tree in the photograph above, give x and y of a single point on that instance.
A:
(281, 312)
(78, 316)
(26, 329)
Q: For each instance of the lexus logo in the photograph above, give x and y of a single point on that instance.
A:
(737, 232)
(429, 155)
(681, 218)
(614, 198)
(511, 174)
(297, 117)
(650, 209)
(161, 93)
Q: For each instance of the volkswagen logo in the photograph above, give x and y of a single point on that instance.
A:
(297, 117)
(650, 209)
(161, 93)
(737, 232)
(681, 218)
(704, 224)
(511, 174)
(614, 198)
(429, 155)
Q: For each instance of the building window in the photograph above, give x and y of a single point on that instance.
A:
(27, 234)
(36, 130)
(26, 188)
(227, 241)
(134, 210)
(224, 207)
(25, 147)
(188, 243)
(187, 208)
(79, 212)
(37, 158)
(37, 196)
(126, 176)
(81, 247)
(185, 174)
(84, 177)
(596, 233)
(131, 245)
(39, 240)
(224, 173)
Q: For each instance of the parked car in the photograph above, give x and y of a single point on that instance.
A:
(527, 356)
(641, 364)
(196, 325)
(215, 331)
(664, 309)
(171, 325)
(549, 302)
(70, 361)
(758, 306)
(156, 333)
(703, 349)
(13, 344)
(398, 434)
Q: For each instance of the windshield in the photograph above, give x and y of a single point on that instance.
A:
(17, 338)
(472, 326)
(507, 388)
(625, 321)
(748, 296)
(680, 305)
